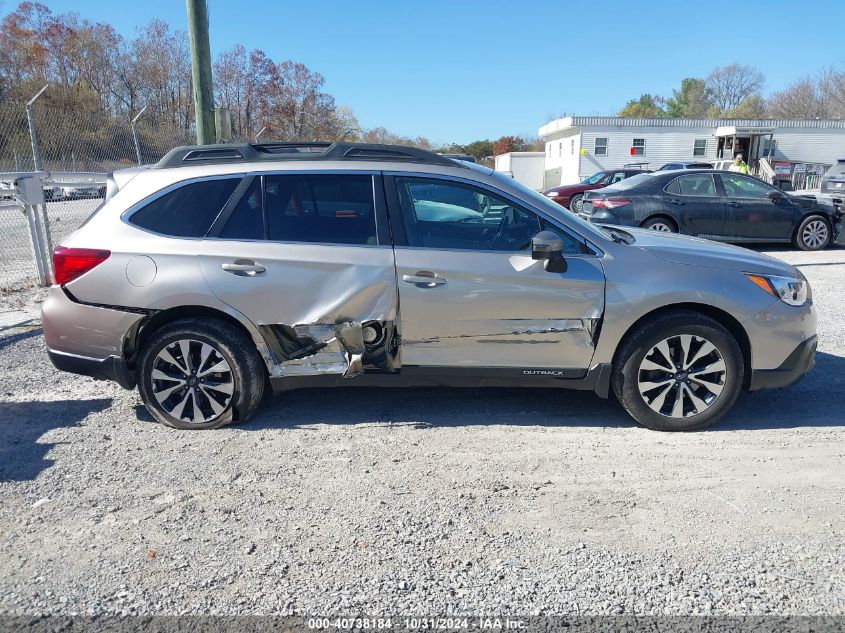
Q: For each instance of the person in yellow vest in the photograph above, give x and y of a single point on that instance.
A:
(739, 165)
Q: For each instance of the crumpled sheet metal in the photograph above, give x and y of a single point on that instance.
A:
(341, 354)
(523, 331)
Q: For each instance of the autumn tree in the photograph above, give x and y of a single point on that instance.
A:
(507, 144)
(692, 100)
(646, 107)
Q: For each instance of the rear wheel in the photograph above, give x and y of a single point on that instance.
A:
(200, 374)
(576, 203)
(679, 372)
(813, 233)
(659, 223)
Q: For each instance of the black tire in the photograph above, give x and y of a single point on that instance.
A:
(575, 203)
(627, 369)
(804, 234)
(246, 373)
(661, 221)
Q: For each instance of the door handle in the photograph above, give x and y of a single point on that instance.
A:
(424, 278)
(733, 204)
(244, 268)
(680, 203)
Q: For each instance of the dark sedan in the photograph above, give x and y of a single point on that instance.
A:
(570, 196)
(718, 205)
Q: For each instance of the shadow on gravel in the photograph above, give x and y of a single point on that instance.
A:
(22, 457)
(817, 400)
(11, 339)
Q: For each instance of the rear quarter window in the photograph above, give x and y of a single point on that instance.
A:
(187, 211)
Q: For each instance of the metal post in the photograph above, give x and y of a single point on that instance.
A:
(260, 132)
(135, 134)
(36, 155)
(201, 70)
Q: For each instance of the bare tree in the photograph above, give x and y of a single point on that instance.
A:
(832, 92)
(729, 85)
(801, 100)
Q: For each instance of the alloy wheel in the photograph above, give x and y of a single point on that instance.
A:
(577, 204)
(683, 375)
(815, 234)
(660, 226)
(192, 381)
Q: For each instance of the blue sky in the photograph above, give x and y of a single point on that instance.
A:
(465, 69)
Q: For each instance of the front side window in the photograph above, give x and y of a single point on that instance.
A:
(320, 208)
(638, 147)
(450, 215)
(699, 147)
(187, 211)
(617, 176)
(737, 186)
(600, 147)
(701, 185)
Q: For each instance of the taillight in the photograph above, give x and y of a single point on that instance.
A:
(70, 263)
(609, 203)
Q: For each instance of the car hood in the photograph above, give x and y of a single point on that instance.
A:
(694, 251)
(577, 188)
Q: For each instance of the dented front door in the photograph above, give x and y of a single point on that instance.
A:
(485, 309)
(470, 294)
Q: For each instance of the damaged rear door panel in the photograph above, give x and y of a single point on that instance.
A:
(308, 259)
(470, 293)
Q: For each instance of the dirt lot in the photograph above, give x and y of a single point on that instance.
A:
(424, 501)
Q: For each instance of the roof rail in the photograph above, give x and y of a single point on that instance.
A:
(259, 152)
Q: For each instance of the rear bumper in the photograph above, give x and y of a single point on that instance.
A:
(793, 369)
(86, 339)
(110, 368)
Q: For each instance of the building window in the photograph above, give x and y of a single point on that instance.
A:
(560, 149)
(572, 147)
(767, 146)
(601, 147)
(549, 147)
(638, 147)
(700, 147)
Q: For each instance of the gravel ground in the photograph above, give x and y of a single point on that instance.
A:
(424, 501)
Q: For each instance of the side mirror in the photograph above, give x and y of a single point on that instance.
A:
(549, 246)
(774, 196)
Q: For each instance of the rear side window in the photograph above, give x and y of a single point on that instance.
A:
(247, 219)
(187, 211)
(321, 208)
(701, 185)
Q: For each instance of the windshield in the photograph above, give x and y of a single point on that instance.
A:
(594, 178)
(630, 183)
(552, 208)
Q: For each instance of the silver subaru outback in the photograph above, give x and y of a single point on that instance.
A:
(226, 270)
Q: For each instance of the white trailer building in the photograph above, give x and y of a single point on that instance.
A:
(525, 167)
(577, 147)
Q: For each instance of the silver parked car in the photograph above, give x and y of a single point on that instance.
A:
(226, 269)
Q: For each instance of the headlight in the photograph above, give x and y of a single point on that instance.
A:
(552, 194)
(791, 290)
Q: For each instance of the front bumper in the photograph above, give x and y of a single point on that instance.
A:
(793, 369)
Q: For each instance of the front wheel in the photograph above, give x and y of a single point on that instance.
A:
(576, 203)
(679, 372)
(200, 374)
(813, 233)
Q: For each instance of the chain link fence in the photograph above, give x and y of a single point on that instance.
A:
(73, 150)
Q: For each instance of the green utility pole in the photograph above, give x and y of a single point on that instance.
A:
(201, 70)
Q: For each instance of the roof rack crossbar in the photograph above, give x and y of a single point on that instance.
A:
(306, 151)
